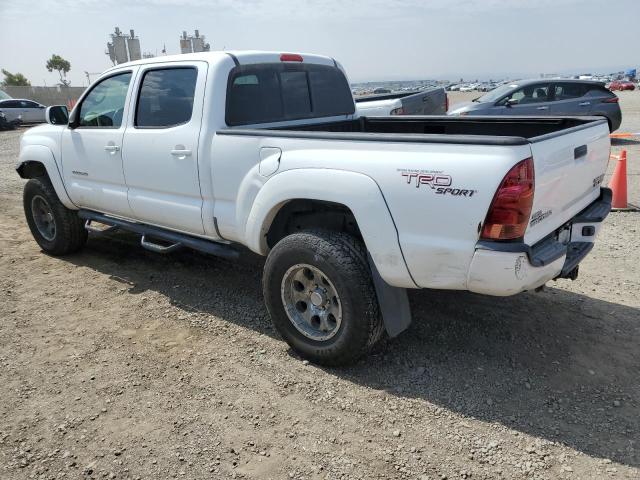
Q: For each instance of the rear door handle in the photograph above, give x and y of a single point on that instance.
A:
(181, 152)
(111, 148)
(584, 104)
(542, 108)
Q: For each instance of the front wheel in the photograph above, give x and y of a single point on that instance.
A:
(54, 227)
(318, 289)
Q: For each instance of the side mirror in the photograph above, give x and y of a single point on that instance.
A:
(511, 102)
(57, 115)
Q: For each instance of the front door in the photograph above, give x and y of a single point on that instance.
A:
(528, 100)
(92, 150)
(160, 149)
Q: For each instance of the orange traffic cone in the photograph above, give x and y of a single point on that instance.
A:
(618, 183)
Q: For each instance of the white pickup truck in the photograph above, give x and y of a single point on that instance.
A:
(432, 101)
(266, 150)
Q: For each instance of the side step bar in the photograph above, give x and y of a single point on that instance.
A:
(175, 239)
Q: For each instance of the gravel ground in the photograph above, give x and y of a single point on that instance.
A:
(118, 363)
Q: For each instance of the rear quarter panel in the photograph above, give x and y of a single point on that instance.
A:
(437, 229)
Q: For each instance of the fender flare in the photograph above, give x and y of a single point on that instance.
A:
(43, 155)
(358, 192)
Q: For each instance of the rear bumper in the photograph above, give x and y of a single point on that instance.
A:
(503, 269)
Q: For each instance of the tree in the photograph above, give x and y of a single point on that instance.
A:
(14, 79)
(62, 66)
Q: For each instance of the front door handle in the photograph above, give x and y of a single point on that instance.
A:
(111, 148)
(584, 104)
(543, 108)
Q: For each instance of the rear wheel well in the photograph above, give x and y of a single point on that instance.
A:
(303, 214)
(32, 169)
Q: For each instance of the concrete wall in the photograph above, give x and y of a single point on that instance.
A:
(46, 95)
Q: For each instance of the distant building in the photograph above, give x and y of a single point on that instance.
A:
(123, 48)
(193, 43)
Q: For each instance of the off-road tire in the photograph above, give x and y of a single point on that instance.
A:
(70, 234)
(343, 259)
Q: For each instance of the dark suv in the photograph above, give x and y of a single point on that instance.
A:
(547, 97)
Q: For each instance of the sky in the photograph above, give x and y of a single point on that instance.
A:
(375, 40)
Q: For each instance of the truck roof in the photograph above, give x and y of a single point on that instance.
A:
(241, 57)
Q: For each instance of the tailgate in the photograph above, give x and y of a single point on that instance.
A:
(428, 102)
(569, 169)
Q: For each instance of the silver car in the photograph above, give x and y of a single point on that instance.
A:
(547, 97)
(26, 110)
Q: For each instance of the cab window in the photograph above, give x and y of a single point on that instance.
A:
(569, 90)
(11, 104)
(104, 105)
(166, 97)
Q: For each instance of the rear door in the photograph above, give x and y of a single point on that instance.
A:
(569, 99)
(160, 148)
(569, 170)
(528, 100)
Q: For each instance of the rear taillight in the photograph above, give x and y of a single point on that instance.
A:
(290, 57)
(511, 206)
(397, 111)
(613, 99)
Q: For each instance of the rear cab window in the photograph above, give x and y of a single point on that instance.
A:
(276, 92)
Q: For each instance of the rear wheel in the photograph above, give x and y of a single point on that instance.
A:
(319, 292)
(54, 227)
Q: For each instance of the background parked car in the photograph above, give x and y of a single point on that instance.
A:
(547, 97)
(622, 85)
(28, 110)
(4, 95)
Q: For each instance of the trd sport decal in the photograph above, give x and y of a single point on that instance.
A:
(436, 180)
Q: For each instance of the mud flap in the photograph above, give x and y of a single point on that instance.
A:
(393, 302)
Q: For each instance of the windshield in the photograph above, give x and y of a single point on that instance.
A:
(496, 93)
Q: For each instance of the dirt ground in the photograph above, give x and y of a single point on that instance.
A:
(119, 363)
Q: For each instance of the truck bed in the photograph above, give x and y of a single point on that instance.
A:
(437, 129)
(472, 154)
